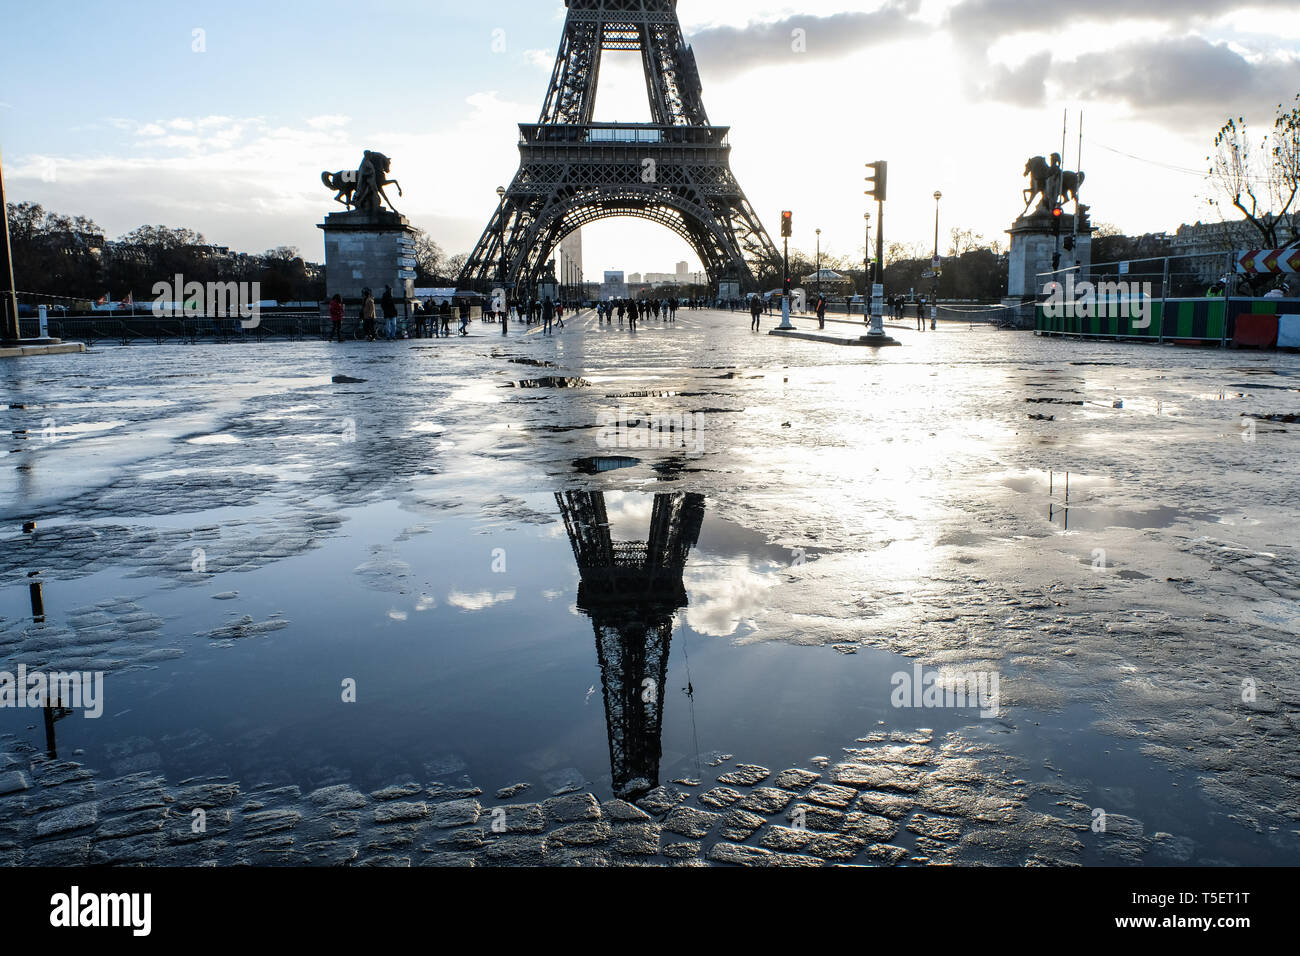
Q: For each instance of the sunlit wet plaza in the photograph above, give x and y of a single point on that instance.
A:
(686, 595)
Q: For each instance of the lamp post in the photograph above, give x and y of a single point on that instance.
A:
(9, 308)
(819, 263)
(934, 297)
(866, 272)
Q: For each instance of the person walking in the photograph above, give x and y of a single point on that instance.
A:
(755, 312)
(622, 310)
(631, 315)
(336, 318)
(390, 313)
(920, 314)
(548, 315)
(368, 314)
(821, 312)
(559, 315)
(464, 318)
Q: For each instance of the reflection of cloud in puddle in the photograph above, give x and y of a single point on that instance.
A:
(724, 597)
(480, 600)
(397, 615)
(425, 602)
(213, 440)
(552, 595)
(629, 515)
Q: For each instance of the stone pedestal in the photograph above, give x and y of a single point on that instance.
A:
(369, 250)
(1034, 243)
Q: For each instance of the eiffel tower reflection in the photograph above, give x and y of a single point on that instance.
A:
(631, 590)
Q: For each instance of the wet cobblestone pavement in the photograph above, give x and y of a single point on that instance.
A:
(227, 532)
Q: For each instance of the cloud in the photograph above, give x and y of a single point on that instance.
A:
(329, 122)
(1024, 85)
(1182, 72)
(542, 59)
(1168, 78)
(996, 18)
(732, 50)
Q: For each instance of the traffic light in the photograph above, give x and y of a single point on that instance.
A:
(1069, 243)
(879, 180)
(787, 224)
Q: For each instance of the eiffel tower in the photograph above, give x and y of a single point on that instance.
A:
(631, 590)
(675, 170)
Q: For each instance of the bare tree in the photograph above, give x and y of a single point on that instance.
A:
(964, 241)
(1261, 180)
(429, 257)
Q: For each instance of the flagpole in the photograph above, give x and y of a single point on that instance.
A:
(8, 292)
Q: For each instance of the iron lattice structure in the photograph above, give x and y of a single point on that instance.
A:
(675, 170)
(631, 591)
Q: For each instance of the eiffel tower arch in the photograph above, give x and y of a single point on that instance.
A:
(675, 170)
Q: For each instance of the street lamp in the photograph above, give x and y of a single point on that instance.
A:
(501, 225)
(819, 263)
(934, 297)
(9, 306)
(866, 270)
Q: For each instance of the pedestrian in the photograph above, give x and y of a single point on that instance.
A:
(464, 318)
(559, 315)
(444, 318)
(631, 315)
(368, 314)
(548, 314)
(622, 310)
(755, 313)
(336, 318)
(920, 314)
(390, 313)
(821, 312)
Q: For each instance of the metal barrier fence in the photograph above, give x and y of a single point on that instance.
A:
(1219, 321)
(126, 329)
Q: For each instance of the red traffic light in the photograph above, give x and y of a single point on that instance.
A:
(1056, 212)
(787, 224)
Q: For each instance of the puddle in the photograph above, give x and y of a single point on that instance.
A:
(1071, 518)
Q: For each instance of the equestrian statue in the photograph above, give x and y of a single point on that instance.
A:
(363, 188)
(1054, 184)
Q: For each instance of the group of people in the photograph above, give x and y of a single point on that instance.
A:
(633, 310)
(757, 307)
(428, 319)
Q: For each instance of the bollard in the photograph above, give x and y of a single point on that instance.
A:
(38, 602)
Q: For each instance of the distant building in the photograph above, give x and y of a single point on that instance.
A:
(1206, 246)
(614, 287)
(570, 261)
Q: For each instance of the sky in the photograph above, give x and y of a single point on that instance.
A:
(221, 116)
